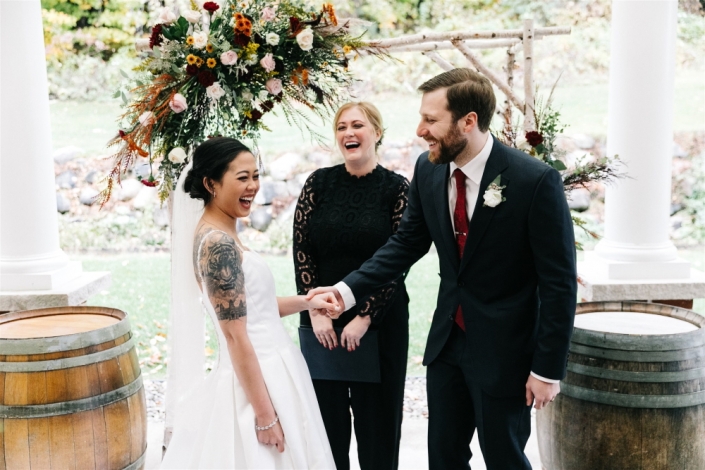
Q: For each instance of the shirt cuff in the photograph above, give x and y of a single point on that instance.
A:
(346, 294)
(542, 379)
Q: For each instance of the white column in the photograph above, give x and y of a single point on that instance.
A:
(641, 94)
(30, 257)
(29, 237)
(636, 259)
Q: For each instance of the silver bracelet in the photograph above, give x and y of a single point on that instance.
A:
(269, 426)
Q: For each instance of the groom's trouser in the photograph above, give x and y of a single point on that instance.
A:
(457, 406)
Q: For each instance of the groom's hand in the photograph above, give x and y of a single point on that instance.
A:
(540, 393)
(325, 290)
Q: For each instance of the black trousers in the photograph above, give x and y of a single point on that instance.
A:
(376, 407)
(457, 406)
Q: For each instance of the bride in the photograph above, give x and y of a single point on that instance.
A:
(257, 408)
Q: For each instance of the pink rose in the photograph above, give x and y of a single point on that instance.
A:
(228, 58)
(178, 103)
(269, 13)
(267, 62)
(274, 86)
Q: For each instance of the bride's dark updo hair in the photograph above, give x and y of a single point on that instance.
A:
(211, 160)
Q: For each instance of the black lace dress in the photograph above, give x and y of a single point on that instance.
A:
(341, 220)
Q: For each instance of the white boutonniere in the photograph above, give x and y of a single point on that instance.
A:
(493, 194)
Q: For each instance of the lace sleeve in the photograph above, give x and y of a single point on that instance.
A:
(376, 304)
(304, 260)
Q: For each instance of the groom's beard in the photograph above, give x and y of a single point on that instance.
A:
(449, 147)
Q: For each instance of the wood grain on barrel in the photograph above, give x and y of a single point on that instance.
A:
(3, 466)
(117, 424)
(39, 443)
(54, 325)
(17, 444)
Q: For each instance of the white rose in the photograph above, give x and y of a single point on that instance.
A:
(247, 95)
(493, 197)
(177, 155)
(272, 39)
(215, 91)
(200, 39)
(192, 16)
(262, 95)
(305, 39)
(146, 118)
(166, 16)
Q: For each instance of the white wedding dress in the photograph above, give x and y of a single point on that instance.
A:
(215, 425)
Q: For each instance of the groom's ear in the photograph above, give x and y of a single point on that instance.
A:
(469, 121)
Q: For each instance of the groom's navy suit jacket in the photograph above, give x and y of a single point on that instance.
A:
(517, 279)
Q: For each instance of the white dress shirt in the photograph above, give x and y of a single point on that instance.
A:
(473, 171)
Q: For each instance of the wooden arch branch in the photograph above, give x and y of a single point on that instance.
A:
(464, 35)
(444, 64)
(489, 74)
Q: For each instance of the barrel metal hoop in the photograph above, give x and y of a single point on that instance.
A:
(625, 342)
(633, 401)
(636, 376)
(66, 342)
(137, 463)
(73, 406)
(638, 356)
(67, 362)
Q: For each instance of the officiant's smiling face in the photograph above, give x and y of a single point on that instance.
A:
(356, 136)
(238, 187)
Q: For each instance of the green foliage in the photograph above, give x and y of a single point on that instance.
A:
(689, 196)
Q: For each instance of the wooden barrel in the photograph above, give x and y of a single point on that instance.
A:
(634, 395)
(71, 392)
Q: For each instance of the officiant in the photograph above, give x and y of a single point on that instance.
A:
(358, 361)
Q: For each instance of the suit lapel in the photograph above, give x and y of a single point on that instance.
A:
(482, 215)
(440, 180)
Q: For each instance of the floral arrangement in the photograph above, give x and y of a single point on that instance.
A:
(217, 68)
(541, 144)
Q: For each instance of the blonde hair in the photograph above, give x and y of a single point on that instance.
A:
(371, 113)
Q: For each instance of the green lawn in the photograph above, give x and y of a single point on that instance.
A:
(89, 125)
(141, 288)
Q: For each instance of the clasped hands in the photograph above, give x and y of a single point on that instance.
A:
(322, 321)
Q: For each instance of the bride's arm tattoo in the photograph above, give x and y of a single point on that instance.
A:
(221, 267)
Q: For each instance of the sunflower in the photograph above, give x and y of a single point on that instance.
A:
(199, 61)
(346, 50)
(211, 63)
(191, 59)
(209, 47)
(189, 40)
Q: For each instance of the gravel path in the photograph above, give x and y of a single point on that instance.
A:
(415, 405)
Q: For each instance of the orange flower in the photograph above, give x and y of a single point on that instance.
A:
(247, 32)
(211, 63)
(239, 16)
(240, 24)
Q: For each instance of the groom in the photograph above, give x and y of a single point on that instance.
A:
(506, 303)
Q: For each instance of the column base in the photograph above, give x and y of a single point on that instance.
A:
(643, 270)
(41, 281)
(595, 286)
(74, 292)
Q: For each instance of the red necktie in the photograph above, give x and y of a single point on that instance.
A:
(460, 220)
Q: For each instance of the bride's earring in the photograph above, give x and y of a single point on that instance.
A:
(213, 194)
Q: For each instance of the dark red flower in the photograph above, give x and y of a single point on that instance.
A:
(192, 69)
(206, 78)
(295, 24)
(151, 183)
(256, 115)
(534, 138)
(241, 39)
(267, 106)
(122, 133)
(156, 38)
(211, 6)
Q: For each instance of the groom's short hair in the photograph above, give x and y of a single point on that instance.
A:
(467, 91)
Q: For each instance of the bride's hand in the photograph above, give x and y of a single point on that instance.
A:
(323, 329)
(324, 304)
(273, 436)
(354, 331)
